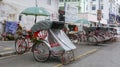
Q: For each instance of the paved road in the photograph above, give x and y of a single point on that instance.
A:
(107, 56)
(27, 60)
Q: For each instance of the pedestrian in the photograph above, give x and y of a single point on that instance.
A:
(76, 28)
(19, 29)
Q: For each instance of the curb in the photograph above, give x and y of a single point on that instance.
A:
(7, 53)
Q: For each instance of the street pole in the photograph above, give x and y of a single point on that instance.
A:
(110, 10)
(65, 10)
(99, 9)
(84, 6)
(79, 7)
(36, 15)
(36, 3)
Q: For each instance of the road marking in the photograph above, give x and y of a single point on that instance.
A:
(59, 65)
(80, 56)
(7, 48)
(1, 58)
(85, 54)
(7, 57)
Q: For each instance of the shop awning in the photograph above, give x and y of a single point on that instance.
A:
(91, 18)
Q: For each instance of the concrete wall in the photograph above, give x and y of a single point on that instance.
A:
(108, 7)
(27, 21)
(105, 10)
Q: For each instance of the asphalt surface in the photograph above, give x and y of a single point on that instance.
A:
(7, 48)
(104, 55)
(107, 56)
(27, 60)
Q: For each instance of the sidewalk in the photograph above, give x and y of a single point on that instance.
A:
(7, 48)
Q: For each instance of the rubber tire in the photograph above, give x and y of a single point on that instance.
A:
(67, 57)
(19, 47)
(73, 38)
(43, 47)
(94, 43)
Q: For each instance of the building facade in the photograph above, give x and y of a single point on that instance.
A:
(85, 7)
(109, 8)
(73, 2)
(114, 13)
(27, 21)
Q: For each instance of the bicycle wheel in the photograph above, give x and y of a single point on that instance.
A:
(74, 38)
(41, 52)
(102, 38)
(92, 40)
(67, 57)
(20, 45)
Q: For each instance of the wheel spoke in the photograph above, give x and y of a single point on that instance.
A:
(20, 45)
(41, 52)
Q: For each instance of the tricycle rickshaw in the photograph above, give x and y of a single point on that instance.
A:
(48, 40)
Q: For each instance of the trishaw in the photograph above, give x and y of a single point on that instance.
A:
(93, 35)
(48, 40)
(97, 35)
(72, 33)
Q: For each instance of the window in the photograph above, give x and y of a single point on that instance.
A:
(102, 15)
(65, 0)
(68, 0)
(101, 7)
(119, 10)
(61, 0)
(49, 2)
(93, 0)
(101, 0)
(74, 0)
(86, 7)
(93, 7)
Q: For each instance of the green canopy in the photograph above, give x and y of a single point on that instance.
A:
(37, 11)
(84, 21)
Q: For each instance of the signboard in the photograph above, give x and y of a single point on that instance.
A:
(71, 12)
(111, 18)
(99, 14)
